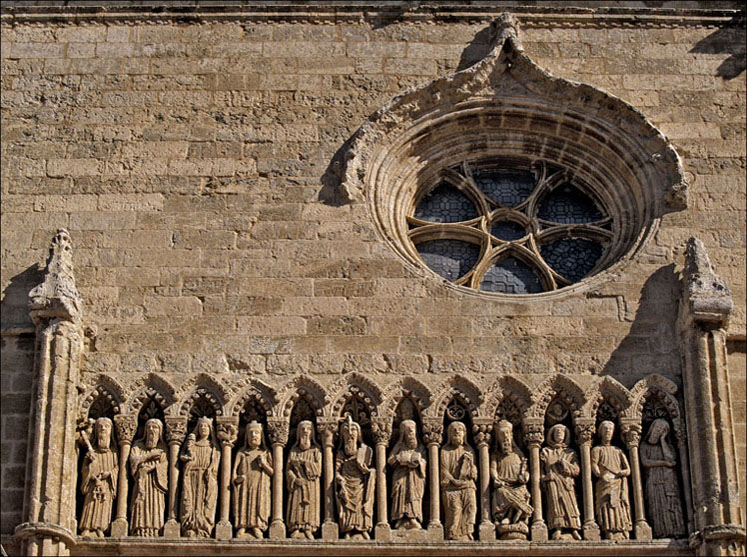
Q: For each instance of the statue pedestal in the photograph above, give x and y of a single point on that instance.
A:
(119, 528)
(486, 531)
(539, 532)
(172, 529)
(591, 531)
(223, 531)
(382, 532)
(642, 530)
(435, 532)
(277, 530)
(330, 531)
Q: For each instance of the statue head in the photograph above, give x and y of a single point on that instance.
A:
(606, 429)
(203, 428)
(305, 435)
(350, 434)
(658, 430)
(409, 434)
(456, 434)
(558, 436)
(504, 433)
(102, 429)
(152, 433)
(254, 435)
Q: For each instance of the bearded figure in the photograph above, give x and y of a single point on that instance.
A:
(98, 481)
(509, 471)
(149, 467)
(407, 460)
(304, 470)
(458, 487)
(252, 477)
(201, 458)
(355, 481)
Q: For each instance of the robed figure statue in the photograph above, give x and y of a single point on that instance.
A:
(304, 470)
(458, 475)
(201, 458)
(610, 466)
(509, 471)
(407, 461)
(252, 476)
(150, 468)
(356, 481)
(98, 481)
(560, 467)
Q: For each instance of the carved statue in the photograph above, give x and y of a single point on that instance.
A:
(201, 458)
(149, 467)
(458, 475)
(610, 466)
(98, 481)
(659, 460)
(304, 470)
(407, 460)
(252, 474)
(356, 481)
(510, 474)
(560, 467)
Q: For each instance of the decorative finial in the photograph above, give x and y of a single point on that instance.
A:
(57, 295)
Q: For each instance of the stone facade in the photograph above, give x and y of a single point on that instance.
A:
(218, 338)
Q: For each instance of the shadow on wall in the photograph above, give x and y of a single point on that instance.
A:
(651, 345)
(727, 40)
(14, 305)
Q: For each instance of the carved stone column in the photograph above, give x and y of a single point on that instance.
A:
(482, 428)
(585, 429)
(705, 307)
(433, 430)
(382, 431)
(534, 435)
(278, 430)
(327, 431)
(51, 466)
(176, 431)
(228, 428)
(631, 434)
(126, 427)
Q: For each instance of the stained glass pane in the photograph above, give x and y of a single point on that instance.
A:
(449, 258)
(572, 258)
(445, 203)
(511, 276)
(508, 230)
(567, 205)
(507, 187)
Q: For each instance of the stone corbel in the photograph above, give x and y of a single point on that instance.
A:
(55, 308)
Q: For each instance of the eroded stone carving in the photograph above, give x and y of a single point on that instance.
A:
(560, 467)
(98, 480)
(610, 465)
(509, 470)
(659, 460)
(149, 467)
(355, 482)
(408, 463)
(303, 477)
(201, 458)
(458, 475)
(252, 474)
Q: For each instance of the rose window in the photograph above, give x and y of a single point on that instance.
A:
(509, 228)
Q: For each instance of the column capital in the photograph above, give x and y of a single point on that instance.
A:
(585, 429)
(126, 426)
(176, 429)
(534, 431)
(630, 431)
(433, 431)
(227, 430)
(327, 428)
(482, 429)
(278, 429)
(382, 430)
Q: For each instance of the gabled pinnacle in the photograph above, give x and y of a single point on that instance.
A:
(57, 296)
(707, 295)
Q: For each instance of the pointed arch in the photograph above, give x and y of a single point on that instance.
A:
(259, 391)
(302, 387)
(103, 388)
(611, 390)
(665, 390)
(510, 389)
(421, 395)
(558, 385)
(357, 385)
(202, 386)
(456, 387)
(151, 386)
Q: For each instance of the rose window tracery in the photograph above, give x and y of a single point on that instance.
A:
(508, 227)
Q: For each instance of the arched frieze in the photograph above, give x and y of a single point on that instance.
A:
(358, 386)
(560, 386)
(103, 391)
(302, 388)
(150, 387)
(459, 388)
(613, 392)
(203, 385)
(419, 394)
(264, 396)
(507, 389)
(204, 396)
(665, 390)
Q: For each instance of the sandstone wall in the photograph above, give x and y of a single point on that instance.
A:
(190, 163)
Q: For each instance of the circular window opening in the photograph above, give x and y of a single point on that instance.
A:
(509, 228)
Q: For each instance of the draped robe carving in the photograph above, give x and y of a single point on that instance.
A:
(407, 460)
(98, 482)
(252, 475)
(356, 481)
(560, 467)
(610, 465)
(149, 468)
(458, 475)
(304, 470)
(201, 459)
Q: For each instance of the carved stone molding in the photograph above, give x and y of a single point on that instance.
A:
(227, 430)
